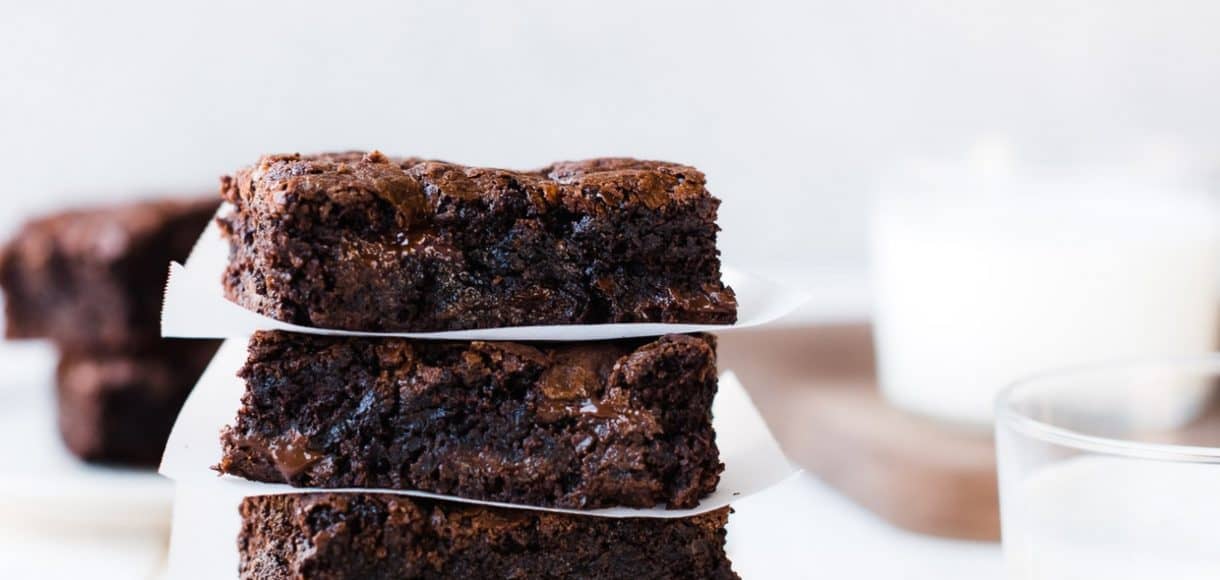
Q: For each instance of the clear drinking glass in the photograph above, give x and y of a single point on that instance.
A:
(1112, 472)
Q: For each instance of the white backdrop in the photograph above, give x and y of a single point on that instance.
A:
(792, 110)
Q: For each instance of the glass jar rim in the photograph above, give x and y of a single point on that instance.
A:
(1007, 415)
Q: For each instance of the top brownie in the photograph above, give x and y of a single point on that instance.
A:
(368, 242)
(92, 279)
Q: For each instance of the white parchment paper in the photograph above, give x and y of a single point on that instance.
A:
(195, 307)
(753, 460)
(203, 535)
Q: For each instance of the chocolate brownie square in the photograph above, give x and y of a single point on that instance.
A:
(119, 407)
(92, 279)
(367, 242)
(576, 425)
(342, 536)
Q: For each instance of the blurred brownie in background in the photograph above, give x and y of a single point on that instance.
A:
(119, 408)
(91, 281)
(363, 241)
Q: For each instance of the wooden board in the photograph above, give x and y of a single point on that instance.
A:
(818, 391)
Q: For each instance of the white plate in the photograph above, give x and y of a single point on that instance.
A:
(41, 484)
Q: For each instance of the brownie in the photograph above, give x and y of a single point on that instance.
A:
(119, 408)
(339, 536)
(92, 279)
(575, 425)
(367, 242)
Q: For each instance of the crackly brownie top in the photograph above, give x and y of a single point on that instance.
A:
(418, 186)
(100, 234)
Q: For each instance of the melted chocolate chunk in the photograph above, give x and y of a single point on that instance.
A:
(292, 456)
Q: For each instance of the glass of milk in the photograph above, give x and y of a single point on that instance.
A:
(1112, 472)
(984, 273)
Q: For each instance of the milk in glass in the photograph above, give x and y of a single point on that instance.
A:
(983, 281)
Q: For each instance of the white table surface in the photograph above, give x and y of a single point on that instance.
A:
(805, 529)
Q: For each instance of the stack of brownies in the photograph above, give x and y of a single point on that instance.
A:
(90, 280)
(365, 242)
